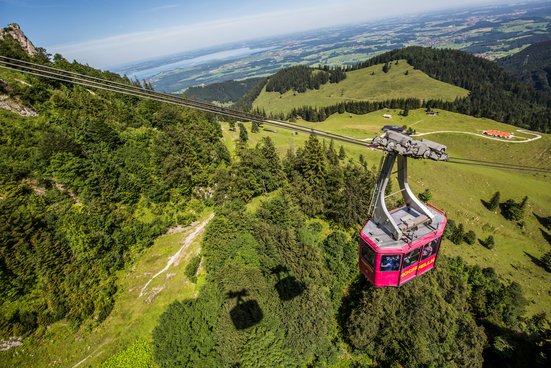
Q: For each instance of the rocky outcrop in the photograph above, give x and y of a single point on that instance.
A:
(8, 103)
(17, 34)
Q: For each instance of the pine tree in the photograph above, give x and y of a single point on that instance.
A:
(243, 135)
(470, 237)
(546, 261)
(425, 196)
(255, 127)
(332, 154)
(458, 235)
(489, 242)
(342, 153)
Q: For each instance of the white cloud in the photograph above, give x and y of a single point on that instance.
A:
(143, 45)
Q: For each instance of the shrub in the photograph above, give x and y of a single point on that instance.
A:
(450, 228)
(489, 242)
(192, 267)
(425, 196)
(457, 235)
(470, 237)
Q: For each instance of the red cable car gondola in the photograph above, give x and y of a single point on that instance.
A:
(398, 245)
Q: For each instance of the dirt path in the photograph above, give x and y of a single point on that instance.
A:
(176, 257)
(524, 140)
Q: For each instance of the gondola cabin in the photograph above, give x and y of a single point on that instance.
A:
(399, 245)
(388, 262)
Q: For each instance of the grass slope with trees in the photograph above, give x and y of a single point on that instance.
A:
(532, 65)
(368, 84)
(493, 93)
(87, 185)
(76, 183)
(227, 92)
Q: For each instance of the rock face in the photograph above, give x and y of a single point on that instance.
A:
(15, 32)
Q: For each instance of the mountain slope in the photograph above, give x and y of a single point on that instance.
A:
(74, 184)
(223, 92)
(494, 93)
(532, 65)
(372, 84)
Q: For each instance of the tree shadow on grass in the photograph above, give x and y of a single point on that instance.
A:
(546, 235)
(485, 204)
(544, 221)
(246, 313)
(535, 260)
(287, 287)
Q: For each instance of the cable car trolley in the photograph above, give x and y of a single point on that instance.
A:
(398, 245)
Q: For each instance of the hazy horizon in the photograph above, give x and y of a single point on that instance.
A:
(129, 32)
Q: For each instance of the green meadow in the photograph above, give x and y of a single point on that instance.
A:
(364, 84)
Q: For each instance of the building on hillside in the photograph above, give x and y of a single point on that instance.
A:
(498, 133)
(387, 116)
(432, 113)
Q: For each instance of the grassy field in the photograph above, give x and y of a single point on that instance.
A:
(362, 85)
(132, 319)
(459, 189)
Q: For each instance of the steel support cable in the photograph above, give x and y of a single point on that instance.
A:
(502, 167)
(94, 82)
(497, 163)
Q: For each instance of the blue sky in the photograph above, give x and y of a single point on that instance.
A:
(106, 33)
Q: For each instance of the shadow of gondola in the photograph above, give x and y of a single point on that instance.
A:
(246, 313)
(287, 287)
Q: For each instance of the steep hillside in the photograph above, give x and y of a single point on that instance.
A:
(89, 186)
(371, 84)
(532, 65)
(223, 93)
(74, 181)
(493, 93)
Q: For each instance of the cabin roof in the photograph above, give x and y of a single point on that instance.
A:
(384, 241)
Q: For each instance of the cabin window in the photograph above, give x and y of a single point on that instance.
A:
(430, 249)
(411, 258)
(367, 254)
(390, 263)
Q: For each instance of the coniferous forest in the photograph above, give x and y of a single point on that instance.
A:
(97, 176)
